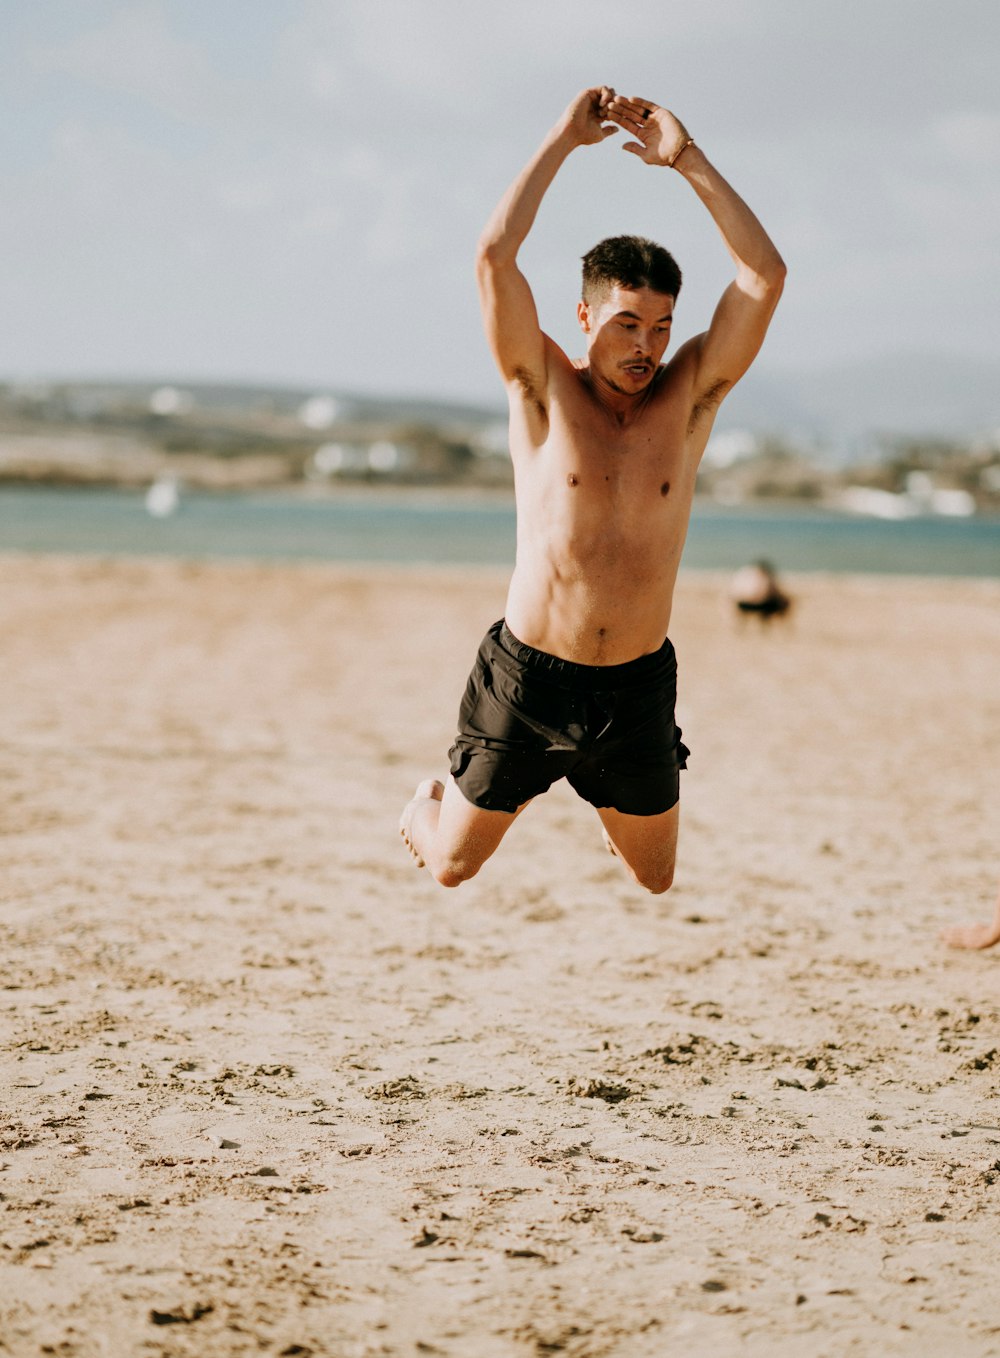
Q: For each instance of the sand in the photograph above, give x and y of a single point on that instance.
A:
(268, 1089)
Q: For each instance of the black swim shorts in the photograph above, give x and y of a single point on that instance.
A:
(529, 719)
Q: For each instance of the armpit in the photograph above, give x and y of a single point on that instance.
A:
(529, 390)
(707, 402)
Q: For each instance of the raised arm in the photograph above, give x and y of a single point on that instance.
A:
(725, 351)
(508, 307)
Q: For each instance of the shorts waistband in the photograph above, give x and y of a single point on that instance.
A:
(591, 677)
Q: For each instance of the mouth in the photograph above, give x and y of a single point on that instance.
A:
(637, 370)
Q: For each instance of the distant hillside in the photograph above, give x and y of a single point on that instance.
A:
(845, 405)
(247, 398)
(843, 408)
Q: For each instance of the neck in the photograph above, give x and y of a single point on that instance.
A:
(623, 405)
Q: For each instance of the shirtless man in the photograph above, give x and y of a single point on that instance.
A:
(579, 679)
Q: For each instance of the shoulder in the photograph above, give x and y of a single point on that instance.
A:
(701, 390)
(683, 365)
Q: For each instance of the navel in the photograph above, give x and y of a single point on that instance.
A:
(665, 488)
(572, 479)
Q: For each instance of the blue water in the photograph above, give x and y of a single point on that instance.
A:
(391, 527)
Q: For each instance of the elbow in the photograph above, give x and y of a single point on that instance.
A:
(484, 259)
(764, 280)
(769, 281)
(491, 254)
(775, 274)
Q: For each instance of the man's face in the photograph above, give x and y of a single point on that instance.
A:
(628, 330)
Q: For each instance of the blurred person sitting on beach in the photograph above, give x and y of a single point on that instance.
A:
(755, 589)
(579, 679)
(974, 935)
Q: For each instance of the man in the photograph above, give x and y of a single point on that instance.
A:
(578, 681)
(755, 589)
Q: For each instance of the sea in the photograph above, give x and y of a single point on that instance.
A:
(422, 528)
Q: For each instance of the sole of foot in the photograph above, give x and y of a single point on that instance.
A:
(430, 790)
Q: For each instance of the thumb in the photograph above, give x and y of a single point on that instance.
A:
(636, 147)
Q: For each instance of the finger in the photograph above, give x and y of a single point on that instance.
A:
(602, 97)
(609, 132)
(636, 147)
(637, 108)
(625, 118)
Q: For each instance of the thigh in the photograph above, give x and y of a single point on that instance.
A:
(646, 844)
(467, 832)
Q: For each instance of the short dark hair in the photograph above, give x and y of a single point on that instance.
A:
(629, 262)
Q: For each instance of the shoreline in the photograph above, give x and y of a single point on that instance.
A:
(386, 571)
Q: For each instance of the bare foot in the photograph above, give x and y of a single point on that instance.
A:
(970, 936)
(430, 790)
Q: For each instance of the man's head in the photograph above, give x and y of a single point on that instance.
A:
(629, 288)
(630, 262)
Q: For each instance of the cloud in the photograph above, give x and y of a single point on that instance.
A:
(136, 52)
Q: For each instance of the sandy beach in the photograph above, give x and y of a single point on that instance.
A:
(268, 1089)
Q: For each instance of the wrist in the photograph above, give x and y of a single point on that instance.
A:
(687, 156)
(565, 136)
(685, 144)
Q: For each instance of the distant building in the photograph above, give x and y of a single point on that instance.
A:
(170, 401)
(319, 412)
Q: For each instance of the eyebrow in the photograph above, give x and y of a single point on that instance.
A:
(633, 317)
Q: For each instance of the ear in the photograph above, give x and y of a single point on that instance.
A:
(583, 316)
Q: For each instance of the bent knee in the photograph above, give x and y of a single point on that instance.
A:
(453, 872)
(657, 881)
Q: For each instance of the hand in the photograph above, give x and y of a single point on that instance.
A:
(587, 114)
(661, 135)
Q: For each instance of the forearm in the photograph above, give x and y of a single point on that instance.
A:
(746, 240)
(515, 214)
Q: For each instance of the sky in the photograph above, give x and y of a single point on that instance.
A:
(290, 191)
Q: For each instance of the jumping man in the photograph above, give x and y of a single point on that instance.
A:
(579, 679)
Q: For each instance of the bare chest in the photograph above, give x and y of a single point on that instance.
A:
(592, 460)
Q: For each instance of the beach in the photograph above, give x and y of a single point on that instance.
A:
(267, 1088)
